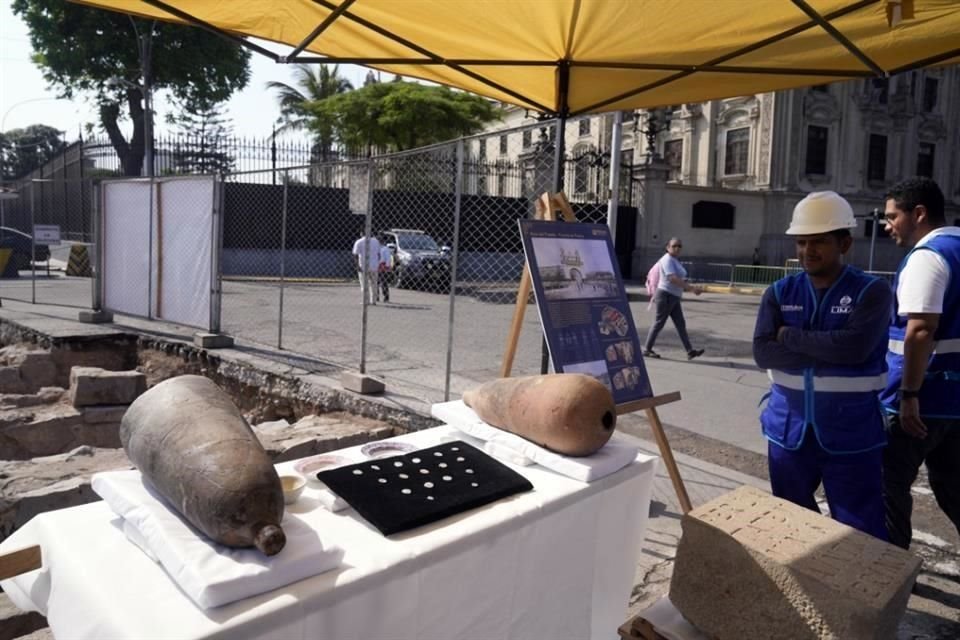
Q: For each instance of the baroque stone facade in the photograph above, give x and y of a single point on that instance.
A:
(856, 137)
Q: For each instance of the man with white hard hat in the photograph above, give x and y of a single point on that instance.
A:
(821, 334)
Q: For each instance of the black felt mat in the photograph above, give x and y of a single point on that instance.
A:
(403, 492)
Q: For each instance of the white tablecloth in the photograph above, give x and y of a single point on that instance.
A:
(556, 562)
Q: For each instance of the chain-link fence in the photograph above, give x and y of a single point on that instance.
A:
(444, 278)
(34, 268)
(287, 272)
(443, 265)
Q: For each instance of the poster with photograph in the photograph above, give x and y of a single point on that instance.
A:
(583, 305)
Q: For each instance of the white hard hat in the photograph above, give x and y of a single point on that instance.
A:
(820, 212)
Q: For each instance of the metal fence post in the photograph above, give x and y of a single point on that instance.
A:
(458, 197)
(365, 282)
(150, 269)
(96, 247)
(33, 251)
(216, 255)
(283, 257)
(613, 207)
(560, 167)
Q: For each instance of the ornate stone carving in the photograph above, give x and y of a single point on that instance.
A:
(738, 110)
(820, 107)
(931, 127)
(691, 110)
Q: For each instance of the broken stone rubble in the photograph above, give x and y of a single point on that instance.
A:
(39, 422)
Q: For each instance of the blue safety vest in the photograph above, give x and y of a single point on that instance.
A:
(838, 401)
(940, 392)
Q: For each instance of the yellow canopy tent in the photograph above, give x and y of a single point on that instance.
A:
(567, 57)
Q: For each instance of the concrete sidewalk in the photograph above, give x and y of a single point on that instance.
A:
(934, 608)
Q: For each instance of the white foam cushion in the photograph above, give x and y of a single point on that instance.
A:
(211, 574)
(613, 456)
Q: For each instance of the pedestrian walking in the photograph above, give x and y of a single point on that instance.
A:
(671, 279)
(366, 251)
(922, 396)
(821, 334)
(385, 269)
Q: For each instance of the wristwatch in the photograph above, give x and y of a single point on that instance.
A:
(908, 393)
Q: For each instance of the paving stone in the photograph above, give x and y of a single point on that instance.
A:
(50, 430)
(270, 426)
(10, 381)
(104, 413)
(361, 383)
(319, 434)
(753, 566)
(37, 370)
(46, 395)
(94, 386)
(29, 487)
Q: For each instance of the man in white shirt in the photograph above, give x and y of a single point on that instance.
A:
(922, 397)
(367, 254)
(672, 283)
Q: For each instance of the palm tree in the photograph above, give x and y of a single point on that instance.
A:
(310, 87)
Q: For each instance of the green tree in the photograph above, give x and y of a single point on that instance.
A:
(26, 149)
(311, 86)
(401, 115)
(83, 50)
(203, 131)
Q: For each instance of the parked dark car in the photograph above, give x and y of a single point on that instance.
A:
(20, 242)
(419, 262)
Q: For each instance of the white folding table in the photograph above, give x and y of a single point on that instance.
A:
(555, 562)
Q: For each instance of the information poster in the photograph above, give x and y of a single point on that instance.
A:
(583, 305)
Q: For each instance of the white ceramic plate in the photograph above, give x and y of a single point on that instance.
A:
(386, 448)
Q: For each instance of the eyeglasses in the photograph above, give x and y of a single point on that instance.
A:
(676, 246)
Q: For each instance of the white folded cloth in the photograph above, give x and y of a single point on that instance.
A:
(669, 622)
(613, 456)
(211, 574)
(328, 499)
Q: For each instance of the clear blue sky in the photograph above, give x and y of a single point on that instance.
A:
(21, 84)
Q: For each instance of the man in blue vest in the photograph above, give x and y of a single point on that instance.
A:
(922, 396)
(821, 334)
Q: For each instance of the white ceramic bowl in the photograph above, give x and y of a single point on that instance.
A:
(308, 467)
(292, 487)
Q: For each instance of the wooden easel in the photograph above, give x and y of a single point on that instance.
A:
(546, 206)
(20, 561)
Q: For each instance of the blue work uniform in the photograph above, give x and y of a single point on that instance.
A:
(823, 420)
(940, 392)
(939, 403)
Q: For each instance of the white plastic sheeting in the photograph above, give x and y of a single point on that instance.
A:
(157, 258)
(184, 214)
(126, 247)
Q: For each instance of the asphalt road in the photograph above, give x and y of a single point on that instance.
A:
(407, 340)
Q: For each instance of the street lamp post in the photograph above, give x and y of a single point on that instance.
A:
(145, 48)
(658, 121)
